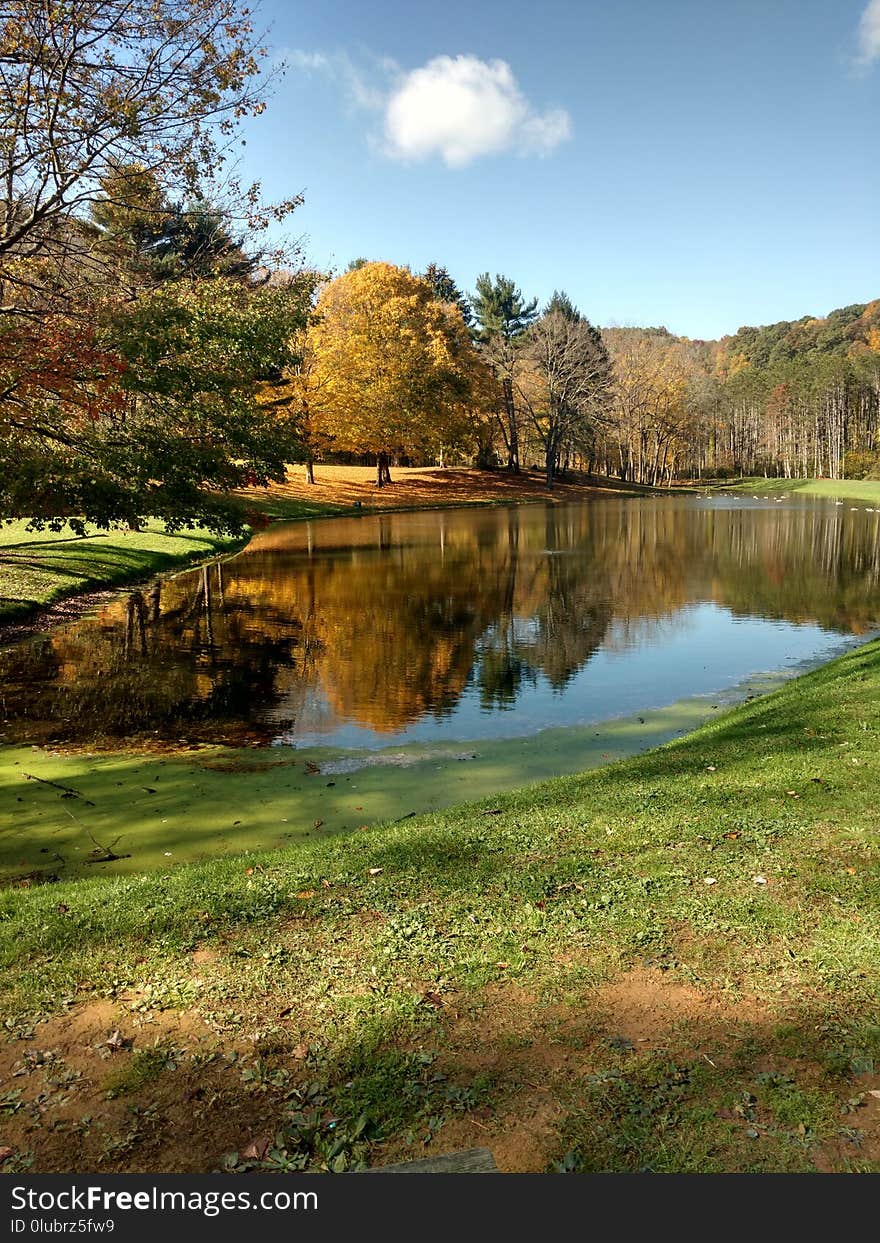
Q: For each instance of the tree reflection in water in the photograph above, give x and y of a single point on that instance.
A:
(390, 620)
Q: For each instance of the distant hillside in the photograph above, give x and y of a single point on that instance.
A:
(846, 331)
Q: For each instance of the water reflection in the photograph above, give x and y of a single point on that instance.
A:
(453, 624)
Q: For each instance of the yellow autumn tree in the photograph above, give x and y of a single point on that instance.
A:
(395, 367)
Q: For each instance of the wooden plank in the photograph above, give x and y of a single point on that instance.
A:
(473, 1161)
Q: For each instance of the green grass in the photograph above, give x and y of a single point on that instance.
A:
(476, 946)
(834, 489)
(282, 508)
(38, 568)
(162, 810)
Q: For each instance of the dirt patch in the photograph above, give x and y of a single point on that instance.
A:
(541, 1056)
(42, 617)
(116, 1086)
(645, 1007)
(108, 1087)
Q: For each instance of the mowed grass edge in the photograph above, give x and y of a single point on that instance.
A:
(40, 568)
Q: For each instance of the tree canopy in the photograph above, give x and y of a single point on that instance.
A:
(394, 365)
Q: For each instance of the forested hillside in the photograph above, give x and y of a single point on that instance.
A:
(793, 399)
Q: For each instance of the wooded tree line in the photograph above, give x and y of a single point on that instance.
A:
(404, 366)
(154, 357)
(792, 399)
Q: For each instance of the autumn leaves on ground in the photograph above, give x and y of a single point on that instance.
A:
(341, 488)
(668, 964)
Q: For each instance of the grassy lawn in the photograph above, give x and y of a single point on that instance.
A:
(40, 567)
(834, 489)
(671, 963)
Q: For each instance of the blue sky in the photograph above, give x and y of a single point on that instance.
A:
(695, 163)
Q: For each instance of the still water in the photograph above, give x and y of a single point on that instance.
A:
(414, 628)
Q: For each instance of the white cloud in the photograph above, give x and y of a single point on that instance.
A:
(305, 60)
(340, 68)
(461, 108)
(869, 33)
(457, 107)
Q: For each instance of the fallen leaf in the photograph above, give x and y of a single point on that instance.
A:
(850, 871)
(5, 1153)
(431, 999)
(731, 837)
(759, 880)
(301, 1051)
(875, 1092)
(495, 811)
(306, 893)
(375, 871)
(318, 823)
(115, 1040)
(709, 880)
(257, 1148)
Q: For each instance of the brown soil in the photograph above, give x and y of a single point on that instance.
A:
(76, 1112)
(536, 1051)
(81, 1107)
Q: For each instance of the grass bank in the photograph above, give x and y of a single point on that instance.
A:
(671, 963)
(867, 490)
(39, 568)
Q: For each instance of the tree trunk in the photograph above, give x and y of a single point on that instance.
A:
(513, 432)
(550, 466)
(383, 473)
(310, 470)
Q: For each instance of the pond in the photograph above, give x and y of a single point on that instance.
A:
(343, 672)
(423, 628)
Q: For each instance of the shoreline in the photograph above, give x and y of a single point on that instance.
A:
(20, 618)
(292, 502)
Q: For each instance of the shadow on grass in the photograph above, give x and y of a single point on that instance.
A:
(590, 1084)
